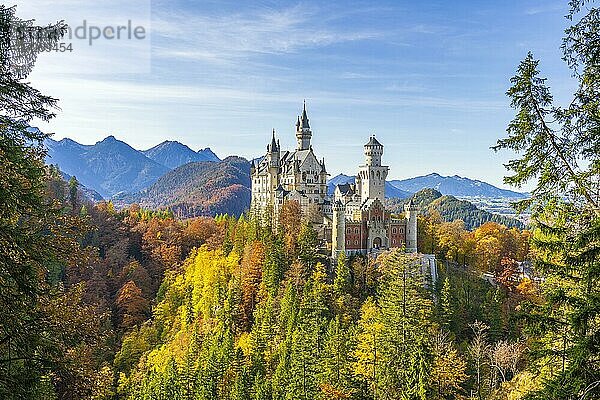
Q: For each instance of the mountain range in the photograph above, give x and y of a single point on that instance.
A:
(455, 186)
(112, 166)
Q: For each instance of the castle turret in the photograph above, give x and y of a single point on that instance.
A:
(410, 211)
(338, 230)
(273, 152)
(371, 176)
(303, 132)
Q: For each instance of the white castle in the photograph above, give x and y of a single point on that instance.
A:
(355, 220)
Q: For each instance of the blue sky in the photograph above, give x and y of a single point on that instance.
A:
(428, 78)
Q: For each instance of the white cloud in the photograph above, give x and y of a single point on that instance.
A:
(233, 36)
(546, 8)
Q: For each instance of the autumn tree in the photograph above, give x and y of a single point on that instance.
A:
(251, 277)
(290, 222)
(367, 365)
(132, 306)
(479, 351)
(448, 370)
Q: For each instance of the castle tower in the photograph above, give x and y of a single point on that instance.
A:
(371, 176)
(273, 152)
(338, 230)
(303, 132)
(410, 211)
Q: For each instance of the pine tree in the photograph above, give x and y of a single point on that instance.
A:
(308, 242)
(406, 311)
(335, 370)
(28, 224)
(73, 194)
(343, 280)
(445, 304)
(558, 148)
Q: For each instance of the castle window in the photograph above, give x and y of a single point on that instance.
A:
(355, 230)
(394, 231)
(356, 242)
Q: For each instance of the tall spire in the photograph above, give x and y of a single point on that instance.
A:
(304, 122)
(274, 146)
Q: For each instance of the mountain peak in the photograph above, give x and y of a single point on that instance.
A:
(208, 154)
(173, 154)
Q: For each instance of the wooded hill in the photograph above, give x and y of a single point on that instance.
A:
(200, 189)
(450, 209)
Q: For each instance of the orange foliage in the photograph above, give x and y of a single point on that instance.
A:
(251, 268)
(132, 306)
(331, 392)
(290, 221)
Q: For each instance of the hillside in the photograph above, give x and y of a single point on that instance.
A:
(200, 189)
(108, 167)
(455, 186)
(451, 208)
(390, 190)
(173, 154)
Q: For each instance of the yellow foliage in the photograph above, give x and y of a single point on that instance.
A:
(244, 343)
(519, 386)
(527, 287)
(369, 338)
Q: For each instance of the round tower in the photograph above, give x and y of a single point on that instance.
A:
(338, 230)
(373, 152)
(410, 211)
(371, 176)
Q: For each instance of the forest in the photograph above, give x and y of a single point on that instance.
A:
(102, 302)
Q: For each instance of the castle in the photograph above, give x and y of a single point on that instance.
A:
(355, 221)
